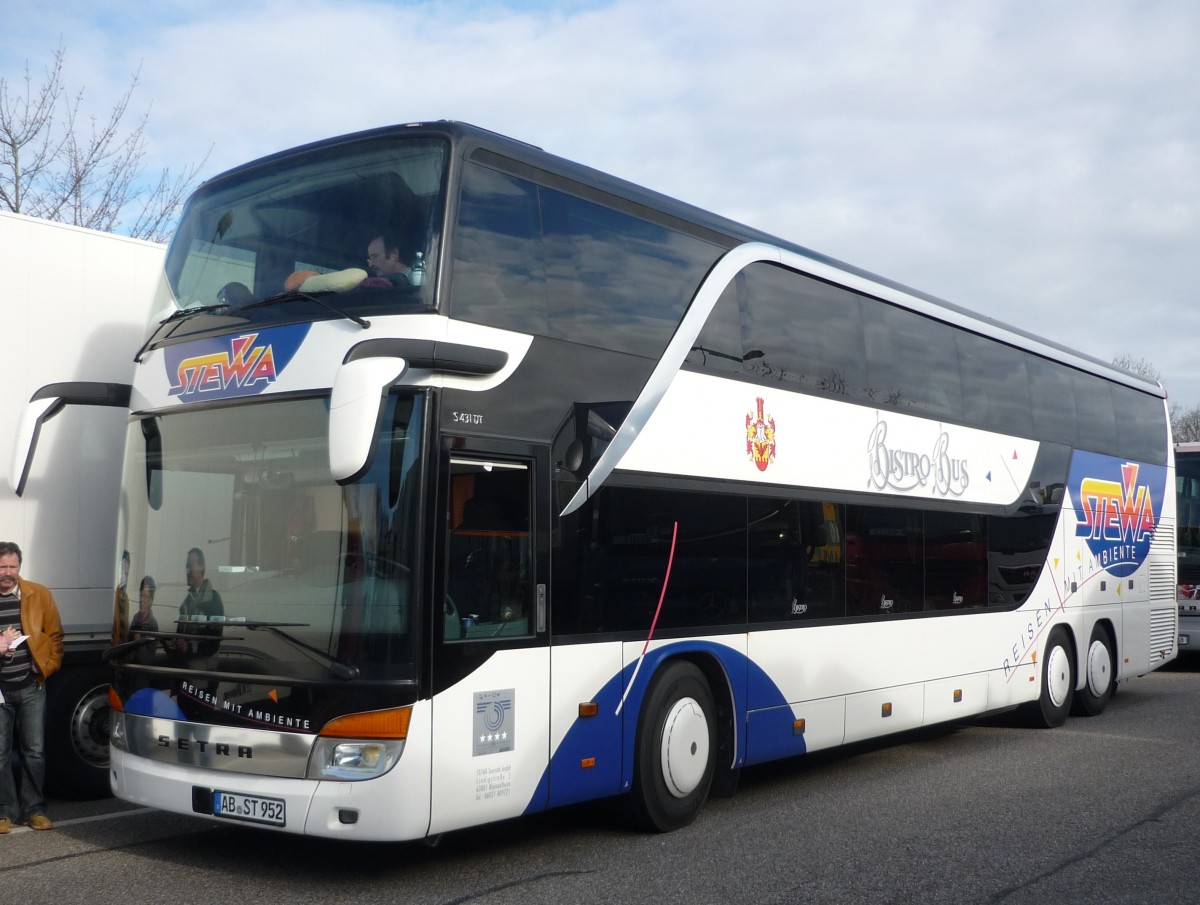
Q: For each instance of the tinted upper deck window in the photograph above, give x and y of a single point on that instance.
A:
(499, 275)
(1094, 409)
(912, 364)
(615, 280)
(801, 331)
(540, 260)
(1052, 397)
(1141, 424)
(995, 384)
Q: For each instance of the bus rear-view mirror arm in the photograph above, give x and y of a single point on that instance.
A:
(355, 409)
(360, 389)
(48, 402)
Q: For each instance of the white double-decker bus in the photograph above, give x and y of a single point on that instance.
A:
(594, 494)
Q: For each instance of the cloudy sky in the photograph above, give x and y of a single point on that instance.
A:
(1036, 161)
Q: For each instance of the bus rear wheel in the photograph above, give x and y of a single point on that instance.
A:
(1058, 683)
(1100, 675)
(674, 751)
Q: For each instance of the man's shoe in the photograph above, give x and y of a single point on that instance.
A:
(5, 826)
(39, 822)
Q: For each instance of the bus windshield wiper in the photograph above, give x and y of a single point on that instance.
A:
(149, 637)
(175, 318)
(338, 668)
(119, 650)
(292, 295)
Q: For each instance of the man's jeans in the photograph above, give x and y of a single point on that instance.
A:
(22, 796)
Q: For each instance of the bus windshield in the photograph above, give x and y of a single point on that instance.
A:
(359, 222)
(260, 565)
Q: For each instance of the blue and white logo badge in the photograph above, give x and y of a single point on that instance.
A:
(494, 721)
(1118, 505)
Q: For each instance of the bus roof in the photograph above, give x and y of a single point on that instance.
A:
(470, 140)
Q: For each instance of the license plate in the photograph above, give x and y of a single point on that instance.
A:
(252, 808)
(1184, 639)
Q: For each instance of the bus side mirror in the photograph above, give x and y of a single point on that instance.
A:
(573, 458)
(48, 402)
(355, 409)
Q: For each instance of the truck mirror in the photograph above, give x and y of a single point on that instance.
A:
(48, 402)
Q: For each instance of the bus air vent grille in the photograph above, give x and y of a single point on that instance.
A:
(1162, 565)
(1162, 632)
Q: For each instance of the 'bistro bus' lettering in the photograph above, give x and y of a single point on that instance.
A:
(904, 470)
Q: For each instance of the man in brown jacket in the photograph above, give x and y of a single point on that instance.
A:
(31, 650)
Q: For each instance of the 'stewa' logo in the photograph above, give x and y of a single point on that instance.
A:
(232, 366)
(1118, 517)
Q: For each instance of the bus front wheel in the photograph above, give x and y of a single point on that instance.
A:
(675, 752)
(1100, 679)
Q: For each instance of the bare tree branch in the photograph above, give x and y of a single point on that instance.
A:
(1138, 366)
(27, 144)
(1185, 423)
(51, 166)
(163, 202)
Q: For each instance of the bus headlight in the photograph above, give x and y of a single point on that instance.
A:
(367, 756)
(116, 721)
(116, 732)
(347, 759)
(360, 745)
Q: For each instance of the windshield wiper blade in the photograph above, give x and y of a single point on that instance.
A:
(175, 318)
(192, 311)
(293, 294)
(338, 668)
(125, 647)
(149, 637)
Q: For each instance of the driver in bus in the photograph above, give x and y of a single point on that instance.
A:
(383, 257)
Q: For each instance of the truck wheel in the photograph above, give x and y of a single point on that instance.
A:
(77, 720)
(674, 751)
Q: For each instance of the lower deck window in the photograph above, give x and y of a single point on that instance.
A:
(757, 560)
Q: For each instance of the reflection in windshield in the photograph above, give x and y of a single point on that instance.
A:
(297, 577)
(355, 224)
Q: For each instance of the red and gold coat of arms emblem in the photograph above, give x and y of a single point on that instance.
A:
(760, 437)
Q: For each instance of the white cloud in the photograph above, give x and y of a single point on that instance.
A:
(1037, 162)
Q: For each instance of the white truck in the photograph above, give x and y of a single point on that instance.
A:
(75, 306)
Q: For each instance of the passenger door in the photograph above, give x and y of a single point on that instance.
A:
(490, 653)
